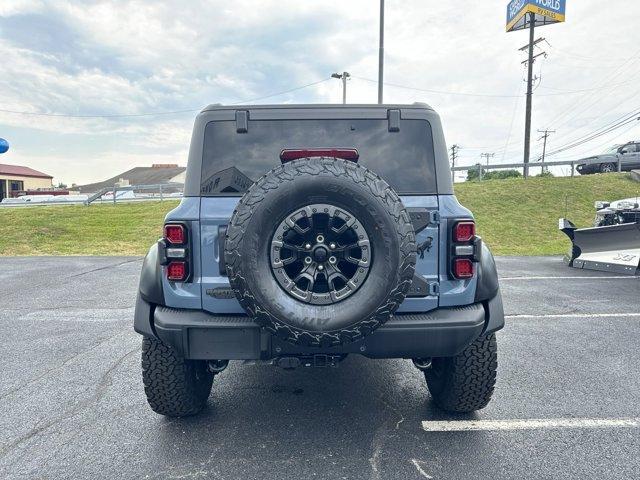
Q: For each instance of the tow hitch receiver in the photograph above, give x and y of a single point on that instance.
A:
(291, 363)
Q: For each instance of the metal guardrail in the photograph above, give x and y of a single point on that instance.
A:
(161, 188)
(506, 166)
(159, 192)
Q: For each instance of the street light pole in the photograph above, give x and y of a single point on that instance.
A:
(342, 76)
(381, 54)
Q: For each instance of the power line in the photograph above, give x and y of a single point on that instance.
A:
(153, 114)
(629, 119)
(484, 95)
(566, 114)
(70, 115)
(257, 99)
(583, 57)
(622, 119)
(562, 91)
(441, 92)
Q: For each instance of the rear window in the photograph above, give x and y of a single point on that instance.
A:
(233, 161)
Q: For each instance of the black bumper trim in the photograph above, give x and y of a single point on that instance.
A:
(196, 334)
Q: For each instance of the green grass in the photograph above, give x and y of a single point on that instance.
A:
(107, 229)
(518, 217)
(514, 216)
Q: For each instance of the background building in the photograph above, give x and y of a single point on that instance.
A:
(157, 174)
(16, 178)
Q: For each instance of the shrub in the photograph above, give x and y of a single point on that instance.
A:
(473, 174)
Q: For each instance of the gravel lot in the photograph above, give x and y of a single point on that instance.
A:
(566, 404)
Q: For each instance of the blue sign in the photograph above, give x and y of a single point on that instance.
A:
(546, 12)
(4, 146)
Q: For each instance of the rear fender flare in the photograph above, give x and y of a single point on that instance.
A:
(487, 286)
(150, 292)
(488, 291)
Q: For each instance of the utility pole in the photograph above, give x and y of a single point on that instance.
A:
(544, 137)
(454, 157)
(381, 54)
(529, 62)
(342, 76)
(487, 156)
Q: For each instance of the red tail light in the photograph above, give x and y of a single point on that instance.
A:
(175, 253)
(464, 249)
(343, 153)
(175, 234)
(464, 232)
(463, 268)
(177, 271)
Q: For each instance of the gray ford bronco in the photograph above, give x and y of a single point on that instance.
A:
(310, 232)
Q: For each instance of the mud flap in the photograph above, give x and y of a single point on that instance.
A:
(614, 248)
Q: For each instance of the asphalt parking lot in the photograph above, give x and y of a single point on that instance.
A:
(567, 402)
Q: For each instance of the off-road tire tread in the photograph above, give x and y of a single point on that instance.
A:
(468, 379)
(174, 387)
(289, 172)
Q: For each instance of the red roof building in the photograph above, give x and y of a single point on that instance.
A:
(20, 171)
(16, 178)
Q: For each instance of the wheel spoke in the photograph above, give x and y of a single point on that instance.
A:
(345, 248)
(289, 260)
(294, 225)
(292, 247)
(309, 274)
(361, 262)
(334, 273)
(305, 263)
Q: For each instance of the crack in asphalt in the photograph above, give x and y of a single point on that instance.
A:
(106, 267)
(104, 382)
(378, 439)
(59, 366)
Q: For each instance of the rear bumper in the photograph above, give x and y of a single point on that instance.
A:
(444, 332)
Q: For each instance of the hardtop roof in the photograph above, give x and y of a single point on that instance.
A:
(373, 106)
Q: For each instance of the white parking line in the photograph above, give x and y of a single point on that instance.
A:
(528, 424)
(617, 277)
(574, 315)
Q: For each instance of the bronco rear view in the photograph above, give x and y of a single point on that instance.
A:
(310, 232)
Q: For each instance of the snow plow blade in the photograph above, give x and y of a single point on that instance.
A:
(614, 248)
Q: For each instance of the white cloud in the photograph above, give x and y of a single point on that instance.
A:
(111, 57)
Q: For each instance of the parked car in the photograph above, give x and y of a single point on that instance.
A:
(628, 155)
(308, 233)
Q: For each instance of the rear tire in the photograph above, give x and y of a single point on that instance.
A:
(465, 383)
(175, 387)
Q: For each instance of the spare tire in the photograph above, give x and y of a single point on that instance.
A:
(320, 251)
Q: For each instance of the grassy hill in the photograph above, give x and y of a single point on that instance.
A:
(518, 217)
(514, 217)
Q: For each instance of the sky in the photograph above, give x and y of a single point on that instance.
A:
(70, 70)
